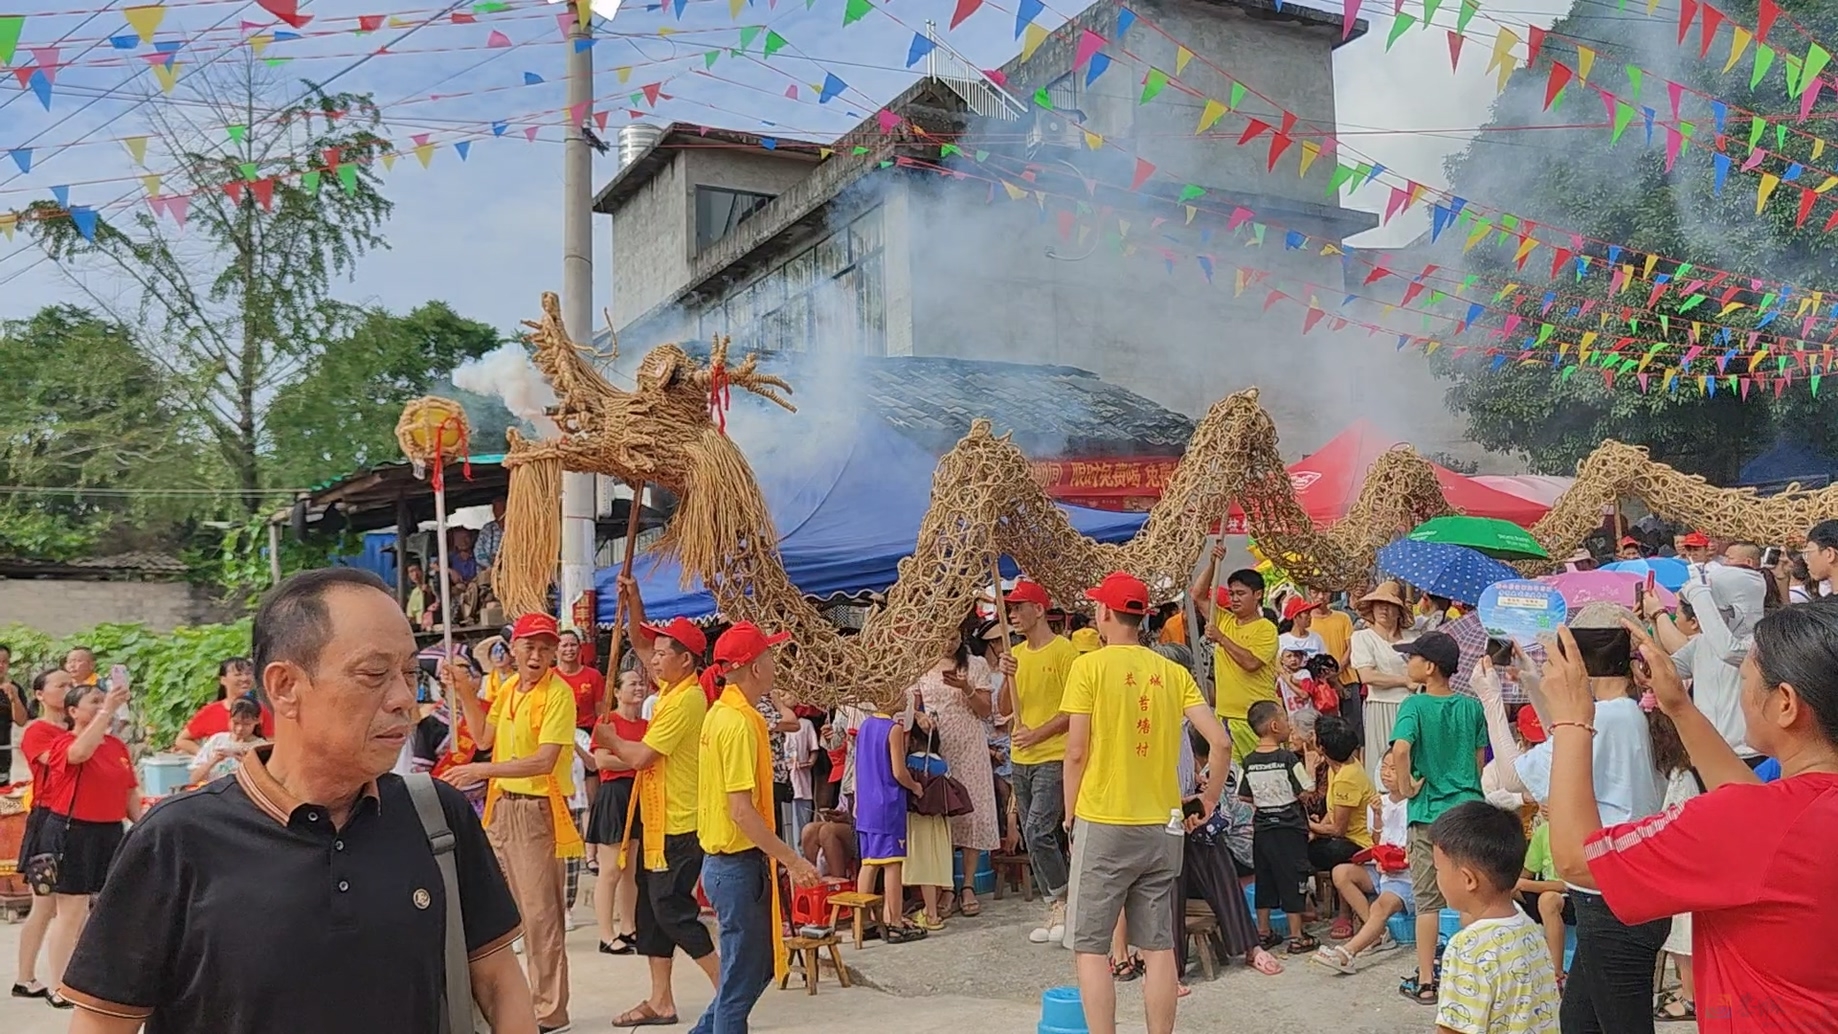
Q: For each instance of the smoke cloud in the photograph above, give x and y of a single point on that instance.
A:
(506, 373)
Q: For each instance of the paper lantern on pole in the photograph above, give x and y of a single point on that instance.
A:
(432, 431)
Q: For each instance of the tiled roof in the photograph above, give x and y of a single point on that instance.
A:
(156, 565)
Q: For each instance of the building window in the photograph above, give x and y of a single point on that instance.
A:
(829, 295)
(719, 211)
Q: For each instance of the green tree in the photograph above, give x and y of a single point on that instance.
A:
(1579, 180)
(341, 414)
(87, 410)
(284, 199)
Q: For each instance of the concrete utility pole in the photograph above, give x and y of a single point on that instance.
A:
(577, 312)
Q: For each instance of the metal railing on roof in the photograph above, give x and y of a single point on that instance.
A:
(968, 82)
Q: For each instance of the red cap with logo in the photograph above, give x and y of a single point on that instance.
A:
(685, 632)
(1029, 592)
(1295, 606)
(531, 625)
(743, 643)
(1121, 592)
(1695, 540)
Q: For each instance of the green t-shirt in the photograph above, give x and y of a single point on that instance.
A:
(1538, 860)
(1443, 733)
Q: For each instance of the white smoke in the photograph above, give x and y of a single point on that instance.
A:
(507, 373)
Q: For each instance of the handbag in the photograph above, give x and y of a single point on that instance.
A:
(940, 796)
(41, 870)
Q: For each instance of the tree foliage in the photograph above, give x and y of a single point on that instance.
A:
(1577, 181)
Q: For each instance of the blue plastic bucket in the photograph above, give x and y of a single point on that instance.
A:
(1448, 924)
(1061, 1012)
(985, 882)
(1403, 928)
(1279, 922)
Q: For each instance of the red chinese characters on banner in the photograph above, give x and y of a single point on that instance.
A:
(1122, 483)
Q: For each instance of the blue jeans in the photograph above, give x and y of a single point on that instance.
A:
(739, 887)
(1040, 800)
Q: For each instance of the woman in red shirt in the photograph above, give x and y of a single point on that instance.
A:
(1750, 862)
(617, 885)
(93, 789)
(40, 735)
(235, 678)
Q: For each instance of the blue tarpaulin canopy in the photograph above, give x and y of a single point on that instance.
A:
(847, 507)
(1785, 462)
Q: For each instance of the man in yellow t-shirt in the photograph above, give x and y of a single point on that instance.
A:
(530, 733)
(1034, 679)
(1335, 627)
(667, 759)
(1125, 704)
(734, 795)
(1244, 648)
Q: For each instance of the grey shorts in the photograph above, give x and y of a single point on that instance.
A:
(1128, 870)
(1423, 871)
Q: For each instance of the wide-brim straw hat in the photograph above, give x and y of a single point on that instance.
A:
(1388, 591)
(482, 651)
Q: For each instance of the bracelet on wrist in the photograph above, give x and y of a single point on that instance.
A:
(1585, 726)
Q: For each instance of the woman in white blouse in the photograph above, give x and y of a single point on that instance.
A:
(1381, 668)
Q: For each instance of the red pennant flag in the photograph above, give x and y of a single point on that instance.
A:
(234, 188)
(1252, 130)
(263, 189)
(1143, 171)
(463, 18)
(1313, 317)
(1411, 291)
(1712, 19)
(1608, 379)
(1830, 223)
(1687, 13)
(1807, 197)
(1455, 39)
(1560, 76)
(1278, 144)
(1289, 123)
(1065, 225)
(369, 22)
(1764, 19)
(965, 8)
(1533, 44)
(1559, 260)
(286, 10)
(1743, 383)
(330, 156)
(650, 90)
(1779, 383)
(600, 119)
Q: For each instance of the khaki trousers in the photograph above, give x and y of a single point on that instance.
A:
(523, 837)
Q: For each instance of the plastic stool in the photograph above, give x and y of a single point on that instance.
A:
(1448, 924)
(1061, 1012)
(1569, 946)
(1403, 927)
(1279, 921)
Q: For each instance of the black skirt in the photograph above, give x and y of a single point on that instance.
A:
(606, 823)
(84, 849)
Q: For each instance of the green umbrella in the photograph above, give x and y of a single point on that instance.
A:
(1502, 540)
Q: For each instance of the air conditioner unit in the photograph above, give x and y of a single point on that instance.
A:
(1053, 130)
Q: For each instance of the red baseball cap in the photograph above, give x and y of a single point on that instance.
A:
(1695, 540)
(743, 643)
(1296, 605)
(1629, 540)
(685, 632)
(1529, 726)
(1029, 592)
(1121, 592)
(530, 625)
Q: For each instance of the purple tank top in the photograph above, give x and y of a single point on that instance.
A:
(880, 802)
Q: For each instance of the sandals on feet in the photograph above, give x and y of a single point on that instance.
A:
(1421, 993)
(1303, 945)
(28, 991)
(904, 933)
(1269, 940)
(1125, 969)
(642, 1015)
(971, 908)
(623, 944)
(1264, 962)
(1335, 958)
(1674, 1010)
(1341, 930)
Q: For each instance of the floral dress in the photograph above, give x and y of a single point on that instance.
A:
(964, 742)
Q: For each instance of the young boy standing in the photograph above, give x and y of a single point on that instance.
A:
(1273, 781)
(1494, 977)
(1438, 747)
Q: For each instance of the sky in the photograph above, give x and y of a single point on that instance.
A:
(483, 231)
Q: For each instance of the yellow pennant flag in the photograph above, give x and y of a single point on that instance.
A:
(735, 7)
(1818, 147)
(624, 72)
(1563, 349)
(1525, 249)
(1387, 309)
(168, 76)
(1310, 151)
(1805, 303)
(424, 153)
(145, 20)
(1502, 47)
(1210, 113)
(1627, 276)
(1513, 285)
(1093, 141)
(137, 149)
(1647, 274)
(1506, 71)
(1084, 233)
(584, 14)
(1739, 42)
(1123, 227)
(1237, 280)
(152, 182)
(1014, 193)
(1582, 347)
(666, 31)
(389, 160)
(1704, 383)
(1191, 212)
(1181, 56)
(1755, 360)
(259, 42)
(824, 152)
(1430, 349)
(401, 23)
(1727, 309)
(1329, 249)
(8, 221)
(1416, 191)
(1762, 193)
(1481, 229)
(1031, 39)
(1585, 60)
(1652, 5)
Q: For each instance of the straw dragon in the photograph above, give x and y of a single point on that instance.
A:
(985, 503)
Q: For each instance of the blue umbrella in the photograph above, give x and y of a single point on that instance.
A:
(1456, 572)
(1669, 572)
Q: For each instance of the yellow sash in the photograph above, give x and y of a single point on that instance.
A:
(568, 842)
(762, 803)
(648, 791)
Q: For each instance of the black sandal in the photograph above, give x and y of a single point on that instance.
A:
(620, 945)
(1422, 994)
(904, 933)
(1303, 945)
(58, 1001)
(1664, 1012)
(1124, 970)
(24, 991)
(1269, 940)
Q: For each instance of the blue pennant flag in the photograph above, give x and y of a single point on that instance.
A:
(1474, 313)
(1099, 62)
(464, 147)
(40, 85)
(498, 128)
(531, 78)
(1614, 254)
(1206, 264)
(583, 44)
(1648, 114)
(921, 46)
(1293, 240)
(282, 35)
(1439, 219)
(832, 86)
(677, 6)
(1025, 13)
(1376, 169)
(1722, 162)
(1793, 172)
(769, 143)
(62, 194)
(85, 220)
(22, 157)
(1498, 361)
(1125, 19)
(124, 42)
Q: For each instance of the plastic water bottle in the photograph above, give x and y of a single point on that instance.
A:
(1176, 826)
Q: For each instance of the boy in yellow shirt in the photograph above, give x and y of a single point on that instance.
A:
(1125, 703)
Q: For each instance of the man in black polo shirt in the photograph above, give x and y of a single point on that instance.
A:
(300, 896)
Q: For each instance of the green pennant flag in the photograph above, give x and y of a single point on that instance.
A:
(748, 35)
(1399, 23)
(1041, 98)
(1429, 11)
(1436, 296)
(1634, 76)
(1084, 207)
(1470, 280)
(1794, 69)
(1690, 303)
(1257, 234)
(490, 7)
(309, 181)
(982, 156)
(1624, 113)
(774, 43)
(275, 62)
(1756, 126)
(249, 171)
(1682, 271)
(347, 178)
(1685, 131)
(1342, 173)
(637, 98)
(1815, 385)
(1508, 221)
(1569, 371)
(1468, 9)
(1544, 334)
(238, 134)
(1764, 59)
(947, 150)
(1190, 191)
(885, 163)
(1152, 84)
(859, 150)
(1817, 58)
(856, 11)
(1237, 96)
(1767, 301)
(10, 26)
(708, 59)
(1361, 174)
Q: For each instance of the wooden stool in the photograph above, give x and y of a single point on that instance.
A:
(857, 904)
(1015, 867)
(1200, 931)
(805, 951)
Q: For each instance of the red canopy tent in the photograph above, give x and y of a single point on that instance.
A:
(1328, 480)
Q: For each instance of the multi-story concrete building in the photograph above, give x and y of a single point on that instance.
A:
(882, 243)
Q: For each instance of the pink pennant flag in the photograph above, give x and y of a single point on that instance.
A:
(1349, 18)
(792, 91)
(1811, 95)
(158, 204)
(600, 119)
(1642, 378)
(995, 75)
(1238, 217)
(1674, 141)
(177, 207)
(45, 59)
(1455, 42)
(1397, 201)
(1673, 92)
(497, 39)
(1089, 43)
(529, 133)
(565, 22)
(577, 113)
(420, 139)
(1755, 158)
(1608, 102)
(887, 120)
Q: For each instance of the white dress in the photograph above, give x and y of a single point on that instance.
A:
(1380, 712)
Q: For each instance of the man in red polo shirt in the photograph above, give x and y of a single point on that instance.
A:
(589, 686)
